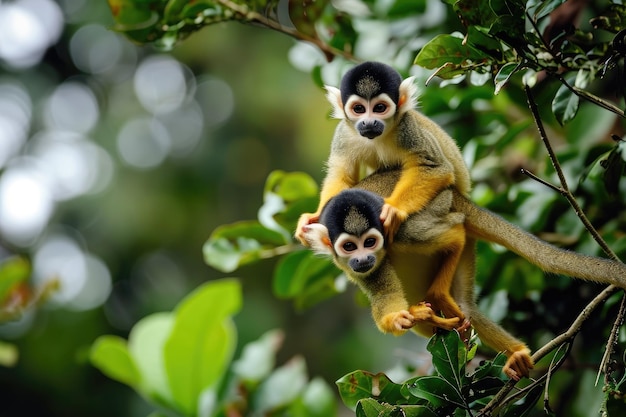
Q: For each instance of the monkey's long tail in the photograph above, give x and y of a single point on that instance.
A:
(485, 225)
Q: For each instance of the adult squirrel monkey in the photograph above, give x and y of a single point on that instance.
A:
(397, 280)
(380, 129)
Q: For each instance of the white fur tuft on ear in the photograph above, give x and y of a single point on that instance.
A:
(333, 95)
(316, 235)
(408, 95)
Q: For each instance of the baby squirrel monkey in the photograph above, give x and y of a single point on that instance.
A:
(380, 129)
(396, 281)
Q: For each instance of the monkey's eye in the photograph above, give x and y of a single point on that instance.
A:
(370, 242)
(358, 108)
(380, 108)
(349, 246)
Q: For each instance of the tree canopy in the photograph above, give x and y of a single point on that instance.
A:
(150, 148)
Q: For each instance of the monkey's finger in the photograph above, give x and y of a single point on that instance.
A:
(446, 324)
(518, 365)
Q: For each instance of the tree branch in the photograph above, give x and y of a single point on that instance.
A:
(568, 336)
(246, 14)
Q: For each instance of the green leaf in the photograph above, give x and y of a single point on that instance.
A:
(232, 246)
(402, 8)
(145, 344)
(9, 354)
(110, 355)
(565, 104)
(504, 75)
(358, 385)
(449, 356)
(291, 186)
(202, 341)
(258, 357)
(282, 387)
(286, 196)
(541, 9)
(13, 271)
(446, 49)
(436, 390)
(306, 278)
(474, 13)
(317, 400)
(372, 408)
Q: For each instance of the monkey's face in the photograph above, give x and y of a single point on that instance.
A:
(370, 116)
(361, 253)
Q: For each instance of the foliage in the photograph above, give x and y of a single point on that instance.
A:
(576, 71)
(449, 391)
(507, 41)
(181, 361)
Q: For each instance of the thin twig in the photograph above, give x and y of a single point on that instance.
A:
(564, 337)
(575, 327)
(252, 16)
(581, 215)
(565, 189)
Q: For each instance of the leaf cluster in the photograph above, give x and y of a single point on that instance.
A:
(182, 363)
(450, 391)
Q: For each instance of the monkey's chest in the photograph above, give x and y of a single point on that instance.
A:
(379, 155)
(415, 272)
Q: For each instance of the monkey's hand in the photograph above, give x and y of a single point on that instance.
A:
(518, 364)
(304, 220)
(392, 217)
(423, 312)
(397, 322)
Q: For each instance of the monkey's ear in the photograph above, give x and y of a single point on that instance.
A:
(316, 235)
(333, 95)
(408, 95)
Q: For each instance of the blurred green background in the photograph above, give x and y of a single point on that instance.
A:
(117, 161)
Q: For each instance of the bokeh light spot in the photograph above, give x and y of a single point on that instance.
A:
(15, 116)
(25, 203)
(216, 99)
(143, 143)
(85, 280)
(160, 84)
(72, 106)
(27, 29)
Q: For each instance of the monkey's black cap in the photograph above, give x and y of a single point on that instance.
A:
(353, 211)
(370, 79)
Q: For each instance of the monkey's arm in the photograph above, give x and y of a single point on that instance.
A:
(426, 170)
(341, 175)
(390, 309)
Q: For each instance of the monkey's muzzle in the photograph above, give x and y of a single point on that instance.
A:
(362, 264)
(370, 128)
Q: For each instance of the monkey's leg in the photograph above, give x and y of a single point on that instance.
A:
(439, 292)
(390, 308)
(417, 186)
(519, 362)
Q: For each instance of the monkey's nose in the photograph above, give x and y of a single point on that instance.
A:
(362, 265)
(370, 129)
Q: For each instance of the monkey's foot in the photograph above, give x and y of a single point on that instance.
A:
(518, 364)
(392, 218)
(422, 312)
